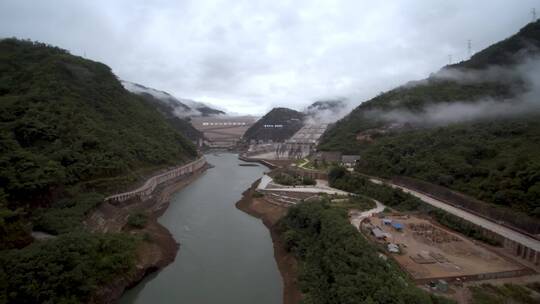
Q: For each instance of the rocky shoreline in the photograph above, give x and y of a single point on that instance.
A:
(159, 247)
(270, 215)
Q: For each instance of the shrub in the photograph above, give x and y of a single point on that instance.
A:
(137, 220)
(284, 179)
(306, 180)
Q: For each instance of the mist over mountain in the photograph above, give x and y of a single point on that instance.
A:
(172, 110)
(522, 81)
(500, 80)
(370, 152)
(182, 107)
(473, 126)
(327, 111)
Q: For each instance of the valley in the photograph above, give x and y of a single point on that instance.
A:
(277, 156)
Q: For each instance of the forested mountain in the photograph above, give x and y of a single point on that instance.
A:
(69, 135)
(173, 110)
(182, 107)
(472, 126)
(277, 125)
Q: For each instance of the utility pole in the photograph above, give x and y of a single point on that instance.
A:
(533, 13)
(469, 47)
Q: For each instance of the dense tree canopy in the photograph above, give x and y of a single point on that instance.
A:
(69, 135)
(337, 265)
(496, 162)
(64, 270)
(493, 158)
(65, 119)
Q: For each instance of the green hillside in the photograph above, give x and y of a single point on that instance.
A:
(493, 158)
(66, 120)
(69, 135)
(182, 125)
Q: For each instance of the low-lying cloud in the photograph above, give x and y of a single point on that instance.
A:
(250, 56)
(526, 101)
(340, 107)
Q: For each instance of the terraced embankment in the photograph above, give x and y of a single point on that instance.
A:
(158, 248)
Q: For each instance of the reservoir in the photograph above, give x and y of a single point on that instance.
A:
(225, 256)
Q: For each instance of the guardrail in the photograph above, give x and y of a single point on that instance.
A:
(522, 224)
(453, 203)
(145, 191)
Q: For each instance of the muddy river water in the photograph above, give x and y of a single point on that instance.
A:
(225, 255)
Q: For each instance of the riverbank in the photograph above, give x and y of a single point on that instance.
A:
(270, 214)
(158, 247)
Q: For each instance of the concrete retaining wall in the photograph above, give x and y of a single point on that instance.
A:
(480, 276)
(260, 161)
(145, 191)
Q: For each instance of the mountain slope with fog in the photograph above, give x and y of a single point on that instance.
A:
(326, 111)
(182, 107)
(473, 126)
(174, 111)
(69, 135)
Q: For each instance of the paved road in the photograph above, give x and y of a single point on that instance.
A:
(311, 190)
(319, 188)
(487, 224)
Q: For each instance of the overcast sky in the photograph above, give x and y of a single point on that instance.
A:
(249, 56)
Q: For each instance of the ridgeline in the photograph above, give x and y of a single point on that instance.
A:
(473, 127)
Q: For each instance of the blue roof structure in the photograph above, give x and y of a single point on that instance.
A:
(397, 225)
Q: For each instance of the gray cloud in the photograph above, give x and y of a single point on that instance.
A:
(248, 56)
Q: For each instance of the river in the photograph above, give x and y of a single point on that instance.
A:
(225, 256)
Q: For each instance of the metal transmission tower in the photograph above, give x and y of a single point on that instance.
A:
(469, 47)
(533, 13)
(449, 59)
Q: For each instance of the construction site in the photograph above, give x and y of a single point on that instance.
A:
(300, 145)
(435, 257)
(222, 132)
(431, 252)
